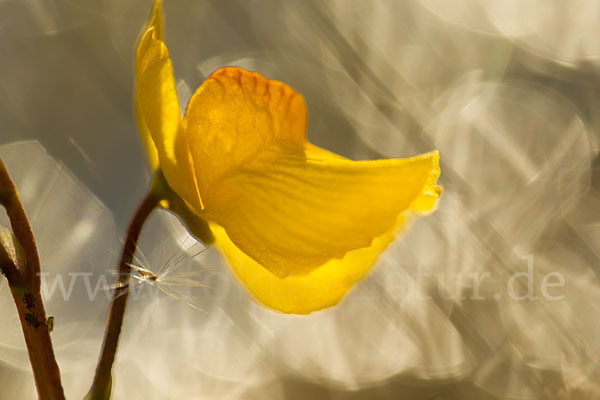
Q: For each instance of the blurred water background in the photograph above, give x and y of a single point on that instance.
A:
(507, 90)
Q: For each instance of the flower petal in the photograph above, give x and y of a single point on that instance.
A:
(294, 212)
(237, 115)
(325, 285)
(158, 112)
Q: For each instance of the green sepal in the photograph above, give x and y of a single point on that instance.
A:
(195, 225)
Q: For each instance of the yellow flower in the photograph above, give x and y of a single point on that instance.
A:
(298, 224)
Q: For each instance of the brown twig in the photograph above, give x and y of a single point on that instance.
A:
(24, 283)
(102, 385)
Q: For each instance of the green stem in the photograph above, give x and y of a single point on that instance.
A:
(102, 384)
(24, 283)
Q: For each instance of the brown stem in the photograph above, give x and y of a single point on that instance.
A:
(24, 283)
(102, 385)
(9, 197)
